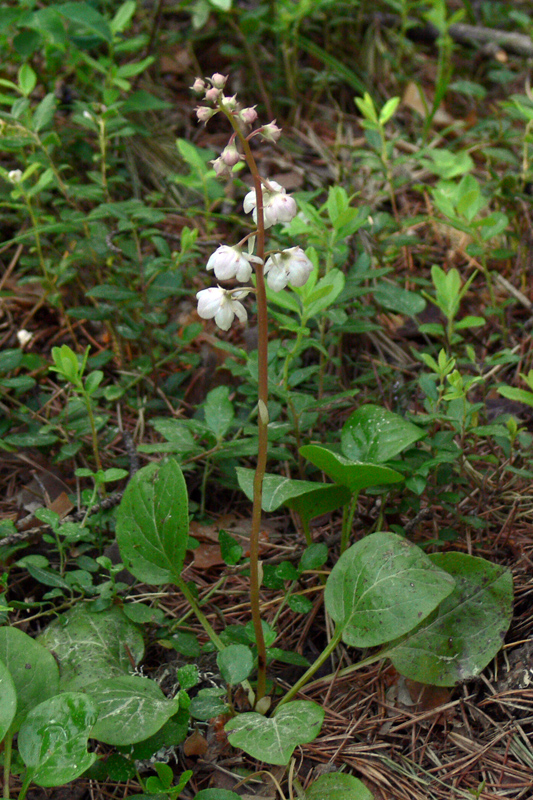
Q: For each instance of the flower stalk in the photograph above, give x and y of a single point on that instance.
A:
(269, 204)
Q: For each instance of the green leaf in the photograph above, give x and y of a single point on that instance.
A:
(123, 16)
(32, 668)
(27, 79)
(88, 16)
(468, 628)
(91, 646)
(313, 557)
(522, 395)
(235, 663)
(382, 587)
(218, 410)
(153, 523)
(324, 294)
(208, 704)
(44, 113)
(399, 300)
(307, 498)
(338, 786)
(375, 434)
(230, 548)
(273, 739)
(130, 709)
(216, 794)
(355, 475)
(53, 739)
(8, 700)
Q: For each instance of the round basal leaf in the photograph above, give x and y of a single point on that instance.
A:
(208, 703)
(33, 670)
(52, 740)
(338, 786)
(92, 646)
(273, 739)
(356, 476)
(8, 700)
(374, 434)
(276, 489)
(382, 587)
(235, 663)
(323, 499)
(130, 709)
(153, 523)
(468, 627)
(217, 794)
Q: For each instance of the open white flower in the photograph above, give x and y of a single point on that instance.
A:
(290, 266)
(230, 262)
(221, 304)
(278, 206)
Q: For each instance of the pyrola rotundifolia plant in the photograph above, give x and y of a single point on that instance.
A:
(269, 204)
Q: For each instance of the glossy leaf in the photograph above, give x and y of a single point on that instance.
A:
(52, 740)
(324, 498)
(338, 786)
(273, 739)
(399, 299)
(8, 700)
(278, 490)
(467, 629)
(91, 647)
(376, 435)
(130, 709)
(153, 523)
(382, 587)
(32, 668)
(355, 475)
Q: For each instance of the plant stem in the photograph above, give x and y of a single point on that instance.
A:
(335, 639)
(347, 521)
(200, 616)
(8, 742)
(262, 417)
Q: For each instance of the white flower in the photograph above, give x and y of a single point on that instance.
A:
(278, 206)
(15, 175)
(24, 337)
(222, 305)
(230, 262)
(290, 266)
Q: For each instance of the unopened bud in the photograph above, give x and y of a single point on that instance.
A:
(212, 94)
(198, 86)
(204, 113)
(218, 80)
(15, 175)
(248, 115)
(271, 132)
(230, 155)
(221, 169)
(231, 102)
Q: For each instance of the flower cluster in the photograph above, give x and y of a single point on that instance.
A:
(290, 266)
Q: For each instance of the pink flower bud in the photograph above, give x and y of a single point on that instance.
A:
(218, 80)
(221, 170)
(204, 113)
(248, 115)
(212, 95)
(198, 86)
(231, 102)
(231, 156)
(270, 132)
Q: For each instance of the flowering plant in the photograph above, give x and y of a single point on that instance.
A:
(269, 204)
